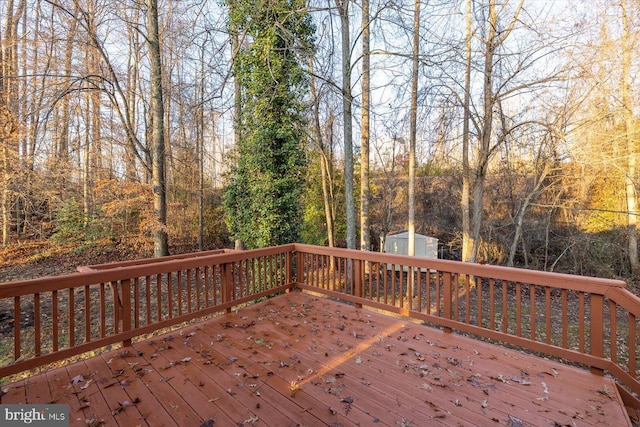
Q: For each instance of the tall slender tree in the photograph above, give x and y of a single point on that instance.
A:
(365, 187)
(158, 180)
(347, 117)
(413, 129)
(467, 241)
(8, 109)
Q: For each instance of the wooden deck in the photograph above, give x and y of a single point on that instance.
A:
(303, 360)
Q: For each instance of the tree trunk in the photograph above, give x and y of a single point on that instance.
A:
(347, 101)
(200, 150)
(485, 136)
(467, 241)
(131, 171)
(413, 131)
(365, 191)
(62, 155)
(8, 107)
(160, 244)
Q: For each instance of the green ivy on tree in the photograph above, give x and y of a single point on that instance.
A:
(263, 199)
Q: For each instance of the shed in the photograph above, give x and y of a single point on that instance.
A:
(398, 243)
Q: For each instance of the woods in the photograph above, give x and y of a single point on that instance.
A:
(506, 129)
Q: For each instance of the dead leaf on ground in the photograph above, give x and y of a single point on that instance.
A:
(604, 391)
(77, 379)
(94, 422)
(514, 422)
(124, 404)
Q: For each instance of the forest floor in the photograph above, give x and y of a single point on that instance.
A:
(36, 259)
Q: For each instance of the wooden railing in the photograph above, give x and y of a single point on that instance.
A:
(50, 319)
(589, 321)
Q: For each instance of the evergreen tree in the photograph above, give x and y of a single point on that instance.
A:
(263, 198)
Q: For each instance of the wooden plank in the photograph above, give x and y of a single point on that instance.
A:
(110, 404)
(37, 390)
(13, 393)
(126, 373)
(63, 393)
(93, 404)
(182, 398)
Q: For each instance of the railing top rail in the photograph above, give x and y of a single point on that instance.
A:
(143, 261)
(32, 286)
(543, 278)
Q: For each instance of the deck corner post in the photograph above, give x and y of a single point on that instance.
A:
(126, 309)
(448, 300)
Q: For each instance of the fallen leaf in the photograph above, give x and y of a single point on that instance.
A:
(84, 387)
(604, 392)
(94, 422)
(514, 422)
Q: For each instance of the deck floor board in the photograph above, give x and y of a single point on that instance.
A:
(350, 367)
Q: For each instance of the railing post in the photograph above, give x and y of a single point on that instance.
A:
(126, 309)
(226, 284)
(448, 300)
(299, 268)
(358, 280)
(596, 324)
(117, 305)
(288, 267)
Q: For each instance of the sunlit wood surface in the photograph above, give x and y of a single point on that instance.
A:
(302, 360)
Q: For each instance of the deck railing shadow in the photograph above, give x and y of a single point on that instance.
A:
(588, 321)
